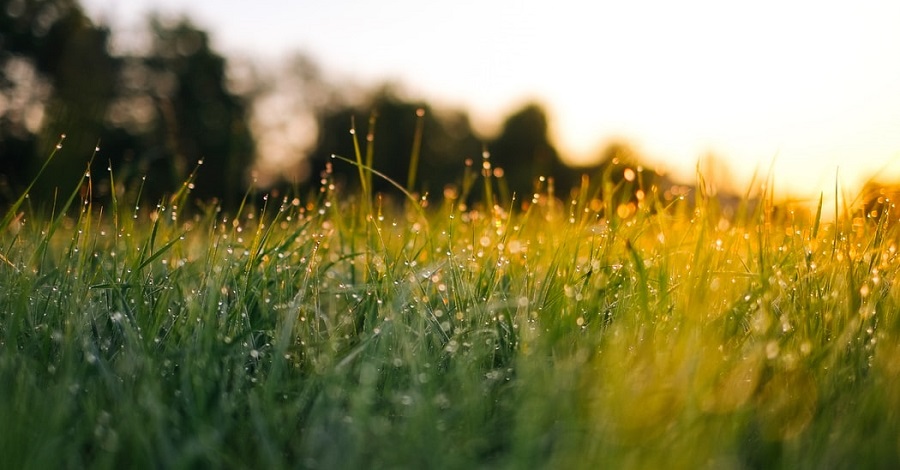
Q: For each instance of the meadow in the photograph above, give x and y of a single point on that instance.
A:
(619, 327)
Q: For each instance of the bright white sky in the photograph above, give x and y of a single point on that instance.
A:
(812, 85)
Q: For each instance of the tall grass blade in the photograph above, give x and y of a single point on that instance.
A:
(416, 149)
(360, 165)
(14, 209)
(817, 220)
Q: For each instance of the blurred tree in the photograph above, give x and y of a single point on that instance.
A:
(447, 140)
(524, 152)
(877, 200)
(156, 113)
(622, 169)
(56, 77)
(175, 109)
(616, 158)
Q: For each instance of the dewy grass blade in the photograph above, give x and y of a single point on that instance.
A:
(14, 209)
(550, 334)
(159, 252)
(416, 150)
(409, 196)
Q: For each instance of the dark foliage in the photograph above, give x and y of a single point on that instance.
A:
(525, 152)
(447, 141)
(154, 114)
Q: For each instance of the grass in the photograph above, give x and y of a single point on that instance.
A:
(349, 332)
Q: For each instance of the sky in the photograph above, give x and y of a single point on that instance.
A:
(806, 90)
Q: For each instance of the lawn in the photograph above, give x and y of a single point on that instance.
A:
(620, 327)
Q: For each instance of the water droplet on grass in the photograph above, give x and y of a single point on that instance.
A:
(772, 349)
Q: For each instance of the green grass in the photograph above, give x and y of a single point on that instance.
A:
(345, 331)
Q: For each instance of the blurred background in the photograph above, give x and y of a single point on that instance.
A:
(266, 91)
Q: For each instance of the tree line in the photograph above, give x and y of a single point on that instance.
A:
(159, 111)
(154, 113)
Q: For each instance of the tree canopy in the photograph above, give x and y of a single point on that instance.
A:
(154, 114)
(159, 111)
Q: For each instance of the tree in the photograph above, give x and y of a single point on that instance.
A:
(622, 179)
(447, 140)
(194, 117)
(56, 77)
(525, 153)
(156, 113)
